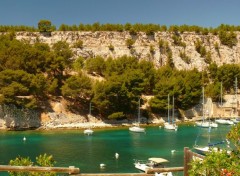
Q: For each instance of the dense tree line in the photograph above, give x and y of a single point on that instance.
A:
(225, 32)
(46, 25)
(30, 74)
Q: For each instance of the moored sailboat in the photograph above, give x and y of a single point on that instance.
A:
(223, 121)
(136, 127)
(204, 123)
(168, 125)
(89, 131)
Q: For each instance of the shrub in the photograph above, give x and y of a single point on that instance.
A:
(42, 160)
(116, 115)
(184, 57)
(129, 43)
(151, 49)
(208, 58)
(78, 44)
(200, 48)
(111, 47)
(228, 38)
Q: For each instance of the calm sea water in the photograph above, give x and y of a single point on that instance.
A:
(73, 148)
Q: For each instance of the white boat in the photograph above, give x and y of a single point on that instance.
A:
(235, 121)
(144, 165)
(204, 123)
(88, 131)
(136, 127)
(207, 124)
(204, 149)
(168, 125)
(224, 121)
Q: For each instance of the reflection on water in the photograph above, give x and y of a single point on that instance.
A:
(73, 148)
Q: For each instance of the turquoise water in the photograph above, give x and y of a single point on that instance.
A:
(73, 148)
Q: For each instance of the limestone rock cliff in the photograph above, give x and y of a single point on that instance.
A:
(97, 44)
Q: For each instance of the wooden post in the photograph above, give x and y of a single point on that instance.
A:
(186, 161)
(170, 169)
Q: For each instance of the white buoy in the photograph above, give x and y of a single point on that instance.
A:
(24, 138)
(173, 151)
(102, 165)
(116, 155)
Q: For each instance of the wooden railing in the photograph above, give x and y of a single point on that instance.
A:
(188, 156)
(69, 170)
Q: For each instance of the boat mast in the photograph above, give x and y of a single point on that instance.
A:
(173, 111)
(168, 110)
(236, 90)
(203, 115)
(139, 110)
(221, 94)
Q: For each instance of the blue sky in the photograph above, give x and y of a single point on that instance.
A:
(206, 13)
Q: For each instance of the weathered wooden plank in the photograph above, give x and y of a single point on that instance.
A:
(115, 174)
(169, 169)
(198, 155)
(70, 169)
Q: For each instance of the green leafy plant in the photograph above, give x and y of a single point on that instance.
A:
(42, 160)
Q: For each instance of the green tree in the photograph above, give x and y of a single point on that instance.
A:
(95, 65)
(227, 74)
(184, 85)
(13, 85)
(59, 62)
(77, 87)
(78, 64)
(45, 26)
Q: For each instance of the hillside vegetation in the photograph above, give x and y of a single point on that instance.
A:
(33, 73)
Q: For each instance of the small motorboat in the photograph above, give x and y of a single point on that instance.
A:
(88, 131)
(151, 163)
(137, 129)
(224, 121)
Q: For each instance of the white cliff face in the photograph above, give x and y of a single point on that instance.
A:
(97, 44)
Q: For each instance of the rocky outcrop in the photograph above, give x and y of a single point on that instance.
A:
(97, 44)
(14, 118)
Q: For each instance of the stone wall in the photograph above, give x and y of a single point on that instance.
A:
(14, 118)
